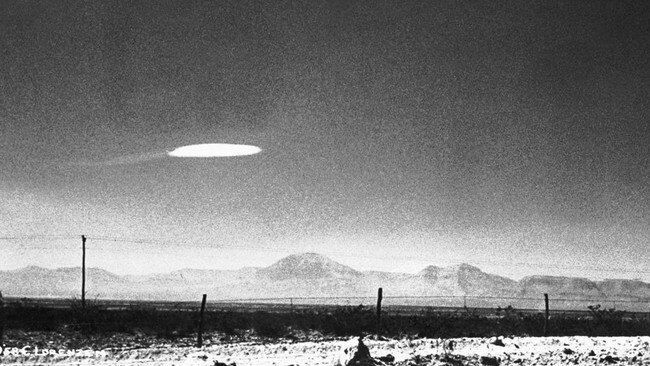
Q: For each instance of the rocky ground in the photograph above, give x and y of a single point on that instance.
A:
(313, 349)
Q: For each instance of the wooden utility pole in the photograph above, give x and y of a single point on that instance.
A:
(199, 338)
(83, 271)
(545, 314)
(379, 297)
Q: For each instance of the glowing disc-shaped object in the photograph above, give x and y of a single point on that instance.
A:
(213, 150)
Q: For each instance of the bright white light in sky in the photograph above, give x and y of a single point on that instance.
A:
(213, 150)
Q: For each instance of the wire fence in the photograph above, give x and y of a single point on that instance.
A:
(401, 304)
(457, 316)
(419, 304)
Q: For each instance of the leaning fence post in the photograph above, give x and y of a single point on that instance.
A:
(199, 340)
(379, 297)
(2, 320)
(293, 318)
(545, 314)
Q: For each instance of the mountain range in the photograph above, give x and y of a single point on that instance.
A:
(308, 275)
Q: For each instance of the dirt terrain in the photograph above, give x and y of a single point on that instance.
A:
(29, 348)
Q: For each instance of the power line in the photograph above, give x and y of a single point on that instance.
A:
(36, 237)
(135, 240)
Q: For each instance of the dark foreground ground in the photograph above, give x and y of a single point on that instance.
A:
(264, 334)
(268, 320)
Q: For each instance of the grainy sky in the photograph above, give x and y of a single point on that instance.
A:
(512, 135)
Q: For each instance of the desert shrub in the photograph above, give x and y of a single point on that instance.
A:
(36, 318)
(269, 325)
(337, 321)
(606, 322)
(350, 320)
(228, 322)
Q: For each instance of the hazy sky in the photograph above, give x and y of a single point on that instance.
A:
(512, 135)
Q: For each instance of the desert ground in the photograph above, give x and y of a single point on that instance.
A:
(30, 348)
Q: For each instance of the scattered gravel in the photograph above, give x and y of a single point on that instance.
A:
(219, 350)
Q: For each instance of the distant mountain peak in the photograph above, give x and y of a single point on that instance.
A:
(431, 272)
(30, 268)
(310, 255)
(307, 257)
(314, 275)
(547, 278)
(467, 267)
(308, 265)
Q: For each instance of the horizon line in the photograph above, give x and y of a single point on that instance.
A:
(326, 257)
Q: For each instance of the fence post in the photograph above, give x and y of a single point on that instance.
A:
(2, 320)
(199, 340)
(545, 314)
(379, 297)
(293, 319)
(83, 271)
